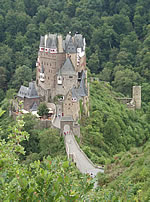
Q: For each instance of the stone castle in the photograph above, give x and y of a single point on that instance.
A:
(60, 73)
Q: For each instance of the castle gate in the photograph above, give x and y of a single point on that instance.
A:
(66, 124)
(67, 128)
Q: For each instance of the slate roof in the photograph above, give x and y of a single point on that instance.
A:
(28, 92)
(49, 41)
(78, 41)
(34, 107)
(82, 90)
(68, 68)
(68, 45)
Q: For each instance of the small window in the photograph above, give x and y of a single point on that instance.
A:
(70, 77)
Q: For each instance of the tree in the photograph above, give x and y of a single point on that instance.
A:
(93, 63)
(10, 94)
(2, 78)
(30, 126)
(22, 75)
(51, 143)
(43, 110)
(2, 95)
(124, 80)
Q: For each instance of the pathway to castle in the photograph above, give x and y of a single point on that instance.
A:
(73, 151)
(82, 162)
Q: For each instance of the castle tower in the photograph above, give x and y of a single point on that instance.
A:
(137, 96)
(60, 64)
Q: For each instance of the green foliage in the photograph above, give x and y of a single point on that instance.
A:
(51, 143)
(49, 180)
(111, 127)
(43, 110)
(22, 76)
(2, 95)
(115, 32)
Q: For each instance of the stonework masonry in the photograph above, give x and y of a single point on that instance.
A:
(61, 67)
(60, 73)
(137, 96)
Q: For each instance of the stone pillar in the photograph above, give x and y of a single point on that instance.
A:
(137, 96)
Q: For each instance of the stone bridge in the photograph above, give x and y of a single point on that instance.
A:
(83, 163)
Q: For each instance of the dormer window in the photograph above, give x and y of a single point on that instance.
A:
(74, 99)
(41, 49)
(42, 77)
(59, 80)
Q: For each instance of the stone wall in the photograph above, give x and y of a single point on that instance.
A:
(137, 96)
(67, 84)
(51, 63)
(124, 100)
(76, 130)
(71, 108)
(28, 102)
(44, 123)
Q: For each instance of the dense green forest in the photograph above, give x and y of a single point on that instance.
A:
(117, 36)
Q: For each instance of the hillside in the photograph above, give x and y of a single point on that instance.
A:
(111, 127)
(129, 175)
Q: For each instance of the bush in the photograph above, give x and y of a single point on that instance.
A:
(43, 110)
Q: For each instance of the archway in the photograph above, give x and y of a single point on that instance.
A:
(66, 129)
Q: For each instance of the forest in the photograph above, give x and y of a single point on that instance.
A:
(33, 164)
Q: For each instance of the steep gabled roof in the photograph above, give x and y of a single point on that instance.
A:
(68, 68)
(28, 92)
(68, 45)
(34, 107)
(78, 41)
(82, 90)
(51, 41)
(70, 48)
